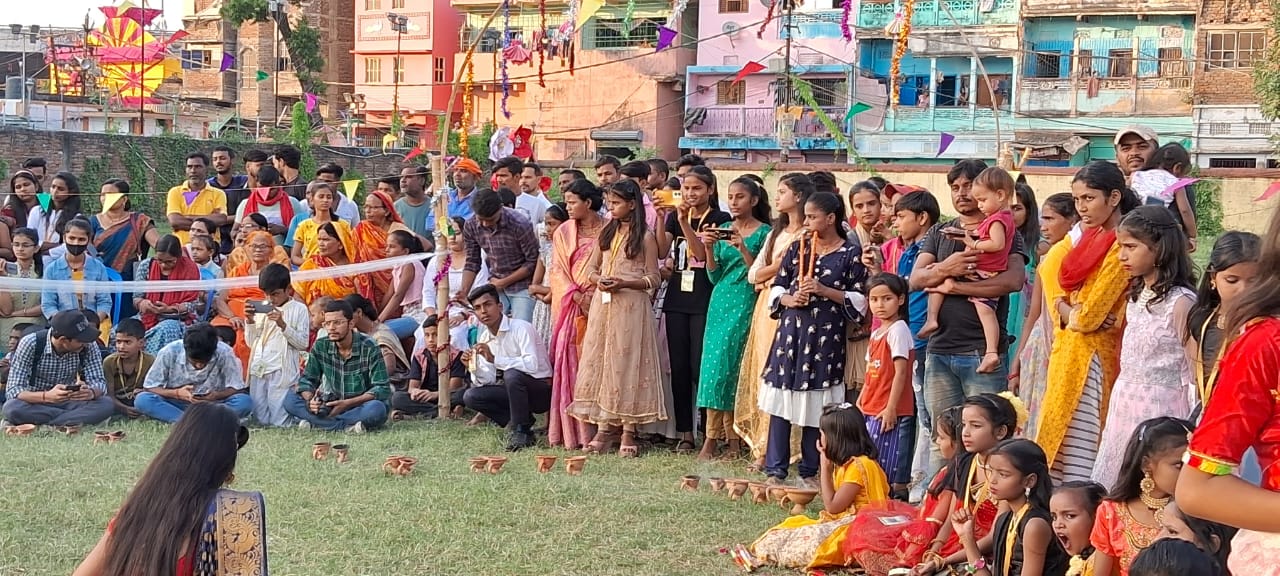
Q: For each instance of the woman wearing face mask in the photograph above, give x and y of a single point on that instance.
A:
(75, 264)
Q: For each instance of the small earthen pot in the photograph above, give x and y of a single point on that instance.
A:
(737, 488)
(777, 493)
(69, 430)
(320, 450)
(545, 463)
(406, 465)
(574, 465)
(341, 451)
(101, 436)
(494, 465)
(391, 464)
(759, 492)
(717, 484)
(800, 497)
(115, 436)
(478, 463)
(20, 430)
(690, 483)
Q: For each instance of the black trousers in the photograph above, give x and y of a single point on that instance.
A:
(401, 401)
(684, 345)
(514, 400)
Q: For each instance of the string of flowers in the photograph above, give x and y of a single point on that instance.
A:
(444, 268)
(903, 25)
(506, 40)
(846, 8)
(468, 96)
(545, 41)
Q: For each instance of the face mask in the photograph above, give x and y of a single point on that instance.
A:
(76, 249)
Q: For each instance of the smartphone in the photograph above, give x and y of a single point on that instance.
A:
(954, 232)
(261, 307)
(72, 387)
(723, 233)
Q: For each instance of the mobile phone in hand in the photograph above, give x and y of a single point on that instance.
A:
(72, 387)
(261, 307)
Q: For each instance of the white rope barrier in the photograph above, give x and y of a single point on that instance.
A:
(137, 286)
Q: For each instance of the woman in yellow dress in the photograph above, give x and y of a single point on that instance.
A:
(851, 480)
(750, 422)
(1086, 352)
(306, 238)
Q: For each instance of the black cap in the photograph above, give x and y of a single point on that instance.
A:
(73, 324)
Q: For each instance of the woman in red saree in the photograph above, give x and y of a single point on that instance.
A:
(334, 247)
(380, 219)
(571, 249)
(167, 314)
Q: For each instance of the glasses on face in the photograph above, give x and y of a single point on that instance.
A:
(23, 245)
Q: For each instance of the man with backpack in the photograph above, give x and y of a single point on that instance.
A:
(56, 377)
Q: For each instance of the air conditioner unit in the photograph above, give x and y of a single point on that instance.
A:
(777, 65)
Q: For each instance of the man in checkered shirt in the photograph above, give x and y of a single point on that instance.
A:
(56, 377)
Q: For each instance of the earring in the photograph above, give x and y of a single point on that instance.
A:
(1028, 491)
(1147, 485)
(230, 479)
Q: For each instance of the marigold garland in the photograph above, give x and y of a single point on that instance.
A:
(467, 101)
(544, 41)
(900, 50)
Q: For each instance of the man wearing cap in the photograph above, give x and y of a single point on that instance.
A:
(198, 368)
(56, 377)
(1134, 146)
(466, 174)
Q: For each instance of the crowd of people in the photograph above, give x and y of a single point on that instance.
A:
(1041, 377)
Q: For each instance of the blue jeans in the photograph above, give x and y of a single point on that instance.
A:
(164, 409)
(403, 327)
(518, 304)
(950, 378)
(372, 413)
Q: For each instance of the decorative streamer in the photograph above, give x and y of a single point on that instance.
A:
(856, 109)
(1272, 190)
(506, 40)
(748, 69)
(666, 36)
(544, 41)
(903, 24)
(804, 91)
(468, 99)
(228, 62)
(768, 17)
(261, 75)
(627, 18)
(845, 8)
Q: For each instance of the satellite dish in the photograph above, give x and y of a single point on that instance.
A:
(731, 29)
(767, 3)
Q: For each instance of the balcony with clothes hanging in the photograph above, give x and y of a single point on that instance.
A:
(752, 113)
(1112, 66)
(938, 94)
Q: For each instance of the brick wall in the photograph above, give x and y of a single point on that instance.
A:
(1226, 85)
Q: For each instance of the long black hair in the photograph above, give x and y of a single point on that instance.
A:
(407, 240)
(1211, 536)
(15, 204)
(1230, 249)
(1029, 458)
(70, 206)
(1155, 227)
(951, 421)
(167, 507)
(1030, 229)
(1263, 298)
(831, 204)
(846, 434)
(761, 211)
(999, 411)
(1153, 437)
(802, 186)
(708, 178)
(34, 237)
(586, 191)
(1107, 178)
(627, 191)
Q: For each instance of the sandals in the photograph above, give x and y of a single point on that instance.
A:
(602, 442)
(627, 447)
(685, 447)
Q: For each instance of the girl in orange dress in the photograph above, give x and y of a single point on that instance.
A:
(1243, 412)
(334, 247)
(1129, 519)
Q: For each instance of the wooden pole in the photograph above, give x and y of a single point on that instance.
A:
(444, 231)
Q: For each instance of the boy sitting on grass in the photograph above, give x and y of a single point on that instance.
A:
(127, 368)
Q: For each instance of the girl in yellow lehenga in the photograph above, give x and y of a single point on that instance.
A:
(751, 423)
(851, 480)
(1086, 354)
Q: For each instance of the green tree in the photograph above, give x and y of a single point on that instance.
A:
(301, 39)
(1266, 74)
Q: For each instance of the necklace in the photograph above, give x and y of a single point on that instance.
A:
(1155, 505)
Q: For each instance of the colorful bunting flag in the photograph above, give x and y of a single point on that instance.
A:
(586, 10)
(1272, 190)
(45, 199)
(351, 186)
(190, 196)
(311, 100)
(856, 109)
(666, 36)
(262, 75)
(1181, 183)
(110, 200)
(1015, 174)
(413, 154)
(228, 62)
(747, 70)
(944, 142)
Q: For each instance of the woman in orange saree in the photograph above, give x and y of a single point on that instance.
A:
(571, 248)
(334, 247)
(240, 254)
(260, 249)
(380, 219)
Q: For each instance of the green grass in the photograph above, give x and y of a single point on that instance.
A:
(622, 517)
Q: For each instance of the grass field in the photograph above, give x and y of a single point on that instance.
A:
(622, 517)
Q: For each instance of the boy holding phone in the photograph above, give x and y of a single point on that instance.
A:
(278, 332)
(127, 368)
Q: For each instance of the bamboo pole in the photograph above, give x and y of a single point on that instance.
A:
(444, 232)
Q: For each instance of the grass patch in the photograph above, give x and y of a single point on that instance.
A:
(622, 517)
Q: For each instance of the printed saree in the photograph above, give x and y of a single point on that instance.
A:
(335, 287)
(371, 244)
(233, 540)
(570, 252)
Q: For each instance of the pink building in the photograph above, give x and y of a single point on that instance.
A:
(739, 120)
(420, 59)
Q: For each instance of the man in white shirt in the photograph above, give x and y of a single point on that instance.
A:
(510, 369)
(531, 200)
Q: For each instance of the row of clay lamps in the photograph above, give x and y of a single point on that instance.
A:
(100, 436)
(573, 465)
(735, 488)
(320, 451)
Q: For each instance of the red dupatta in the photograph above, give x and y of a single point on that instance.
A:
(259, 197)
(184, 269)
(1085, 257)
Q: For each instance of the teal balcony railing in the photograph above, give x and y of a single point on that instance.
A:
(940, 13)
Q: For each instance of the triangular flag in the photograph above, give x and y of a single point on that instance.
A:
(856, 109)
(747, 70)
(944, 142)
(311, 101)
(109, 201)
(228, 62)
(190, 196)
(412, 154)
(388, 141)
(261, 191)
(261, 75)
(665, 37)
(45, 199)
(1272, 190)
(1181, 183)
(586, 10)
(351, 186)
